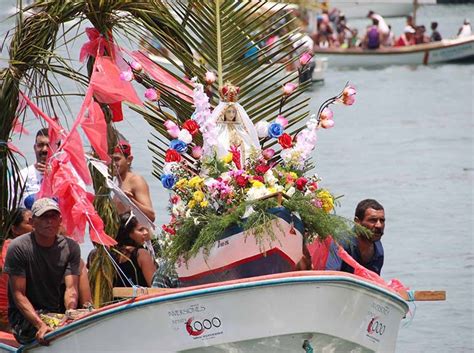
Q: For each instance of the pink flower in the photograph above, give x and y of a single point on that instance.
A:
(327, 123)
(136, 65)
(196, 152)
(268, 153)
(152, 94)
(174, 132)
(280, 119)
(289, 88)
(305, 58)
(210, 77)
(326, 114)
(126, 75)
(348, 95)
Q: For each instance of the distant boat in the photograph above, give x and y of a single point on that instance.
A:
(307, 311)
(386, 8)
(460, 49)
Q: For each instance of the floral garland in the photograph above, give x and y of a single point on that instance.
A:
(203, 205)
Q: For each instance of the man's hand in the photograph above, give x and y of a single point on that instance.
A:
(40, 167)
(42, 331)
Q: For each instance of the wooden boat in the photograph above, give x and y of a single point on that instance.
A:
(431, 53)
(302, 311)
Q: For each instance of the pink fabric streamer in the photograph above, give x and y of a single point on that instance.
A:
(109, 88)
(359, 270)
(15, 149)
(163, 77)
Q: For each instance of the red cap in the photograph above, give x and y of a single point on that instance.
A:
(123, 147)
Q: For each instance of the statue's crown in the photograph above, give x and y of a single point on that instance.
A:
(229, 92)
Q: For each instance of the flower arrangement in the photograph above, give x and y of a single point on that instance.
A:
(224, 191)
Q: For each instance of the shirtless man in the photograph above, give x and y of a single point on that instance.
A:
(132, 184)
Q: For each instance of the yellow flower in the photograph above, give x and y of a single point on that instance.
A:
(198, 196)
(326, 200)
(227, 158)
(293, 175)
(204, 203)
(191, 204)
(272, 190)
(181, 184)
(256, 183)
(195, 182)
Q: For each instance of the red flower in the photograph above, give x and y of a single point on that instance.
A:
(191, 126)
(261, 168)
(300, 183)
(241, 181)
(172, 156)
(168, 229)
(285, 140)
(258, 177)
(313, 186)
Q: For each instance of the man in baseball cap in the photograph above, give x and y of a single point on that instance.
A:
(46, 263)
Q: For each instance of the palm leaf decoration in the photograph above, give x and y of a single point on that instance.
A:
(224, 37)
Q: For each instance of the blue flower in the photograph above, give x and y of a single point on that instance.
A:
(168, 180)
(275, 130)
(178, 146)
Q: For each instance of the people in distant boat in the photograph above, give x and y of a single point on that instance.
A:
(435, 35)
(372, 36)
(389, 39)
(465, 30)
(407, 38)
(132, 184)
(420, 35)
(135, 264)
(366, 249)
(381, 24)
(43, 269)
(410, 22)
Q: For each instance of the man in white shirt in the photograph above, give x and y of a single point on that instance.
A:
(32, 176)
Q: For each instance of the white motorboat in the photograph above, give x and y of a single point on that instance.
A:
(306, 311)
(431, 53)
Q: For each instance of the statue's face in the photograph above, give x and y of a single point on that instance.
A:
(230, 114)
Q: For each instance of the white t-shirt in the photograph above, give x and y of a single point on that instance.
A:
(32, 180)
(466, 31)
(383, 27)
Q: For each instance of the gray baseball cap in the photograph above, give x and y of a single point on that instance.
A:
(44, 205)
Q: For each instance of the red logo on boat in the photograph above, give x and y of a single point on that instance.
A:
(376, 326)
(196, 327)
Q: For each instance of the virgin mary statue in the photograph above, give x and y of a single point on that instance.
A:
(235, 130)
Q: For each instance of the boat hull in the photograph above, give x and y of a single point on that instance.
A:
(327, 311)
(432, 53)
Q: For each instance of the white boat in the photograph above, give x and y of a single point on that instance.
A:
(307, 311)
(430, 53)
(386, 8)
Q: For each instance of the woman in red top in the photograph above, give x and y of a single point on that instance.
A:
(20, 225)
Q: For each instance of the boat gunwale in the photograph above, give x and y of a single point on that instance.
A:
(444, 44)
(299, 277)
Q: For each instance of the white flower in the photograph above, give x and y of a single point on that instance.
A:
(256, 192)
(262, 128)
(291, 191)
(185, 136)
(169, 168)
(270, 178)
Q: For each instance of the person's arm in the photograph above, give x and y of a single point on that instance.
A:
(147, 265)
(18, 289)
(71, 294)
(141, 197)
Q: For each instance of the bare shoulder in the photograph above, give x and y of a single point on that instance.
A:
(137, 179)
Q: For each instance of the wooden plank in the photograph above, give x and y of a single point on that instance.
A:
(128, 292)
(424, 295)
